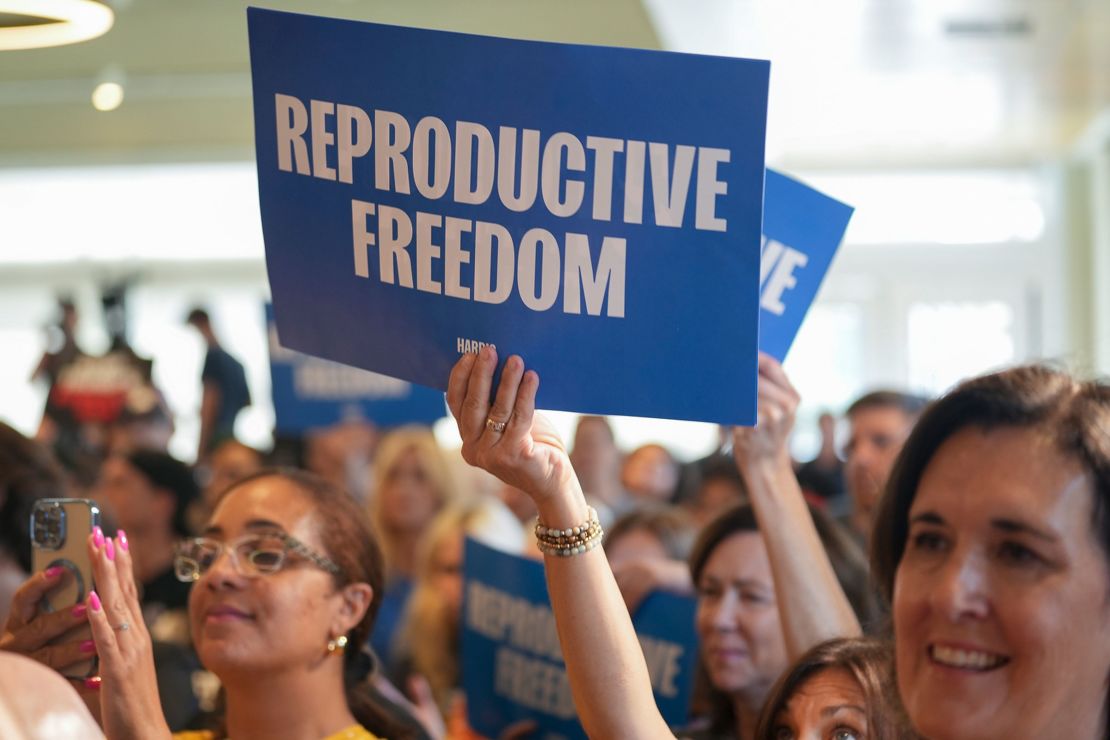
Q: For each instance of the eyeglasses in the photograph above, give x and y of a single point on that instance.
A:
(252, 555)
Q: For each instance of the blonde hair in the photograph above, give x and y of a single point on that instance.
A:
(430, 635)
(420, 441)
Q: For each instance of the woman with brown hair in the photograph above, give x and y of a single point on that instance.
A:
(742, 630)
(838, 690)
(993, 544)
(285, 577)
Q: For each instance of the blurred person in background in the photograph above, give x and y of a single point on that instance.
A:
(650, 474)
(62, 348)
(647, 550)
(412, 483)
(148, 494)
(224, 393)
(343, 455)
(144, 423)
(518, 502)
(880, 422)
(429, 641)
(597, 462)
(721, 488)
(822, 478)
(230, 462)
(36, 703)
(28, 472)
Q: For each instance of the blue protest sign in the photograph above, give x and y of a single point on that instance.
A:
(513, 666)
(802, 229)
(665, 625)
(595, 210)
(310, 393)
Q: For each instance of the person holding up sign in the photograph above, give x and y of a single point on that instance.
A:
(608, 677)
(992, 543)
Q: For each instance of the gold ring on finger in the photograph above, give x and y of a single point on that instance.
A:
(495, 426)
(122, 627)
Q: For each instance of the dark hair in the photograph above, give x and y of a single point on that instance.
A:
(347, 539)
(845, 555)
(722, 468)
(170, 474)
(1076, 413)
(28, 472)
(908, 403)
(669, 524)
(868, 661)
(848, 560)
(197, 317)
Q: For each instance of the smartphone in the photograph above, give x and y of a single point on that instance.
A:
(59, 533)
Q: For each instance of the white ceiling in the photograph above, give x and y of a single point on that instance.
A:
(913, 82)
(855, 83)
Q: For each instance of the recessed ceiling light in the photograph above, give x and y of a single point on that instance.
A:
(33, 24)
(107, 96)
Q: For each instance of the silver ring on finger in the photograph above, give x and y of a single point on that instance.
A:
(495, 426)
(122, 627)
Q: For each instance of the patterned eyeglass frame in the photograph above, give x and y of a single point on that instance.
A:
(291, 544)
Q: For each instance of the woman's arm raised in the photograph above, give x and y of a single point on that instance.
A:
(608, 675)
(812, 605)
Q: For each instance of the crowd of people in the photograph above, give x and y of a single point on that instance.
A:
(945, 573)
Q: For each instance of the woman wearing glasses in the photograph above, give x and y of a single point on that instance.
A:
(284, 585)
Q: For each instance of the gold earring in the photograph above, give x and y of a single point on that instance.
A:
(338, 643)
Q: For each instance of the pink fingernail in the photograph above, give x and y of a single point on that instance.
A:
(53, 571)
(87, 646)
(93, 683)
(98, 536)
(79, 611)
(94, 601)
(109, 549)
(122, 537)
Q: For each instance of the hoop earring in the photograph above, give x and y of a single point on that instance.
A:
(338, 644)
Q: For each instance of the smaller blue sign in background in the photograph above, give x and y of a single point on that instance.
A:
(802, 229)
(310, 392)
(513, 667)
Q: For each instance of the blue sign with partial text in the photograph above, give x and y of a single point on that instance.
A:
(310, 393)
(513, 666)
(802, 229)
(595, 210)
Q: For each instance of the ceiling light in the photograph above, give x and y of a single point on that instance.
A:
(32, 24)
(108, 93)
(107, 96)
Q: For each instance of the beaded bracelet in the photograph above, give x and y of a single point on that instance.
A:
(570, 541)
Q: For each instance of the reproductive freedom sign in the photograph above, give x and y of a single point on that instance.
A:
(595, 210)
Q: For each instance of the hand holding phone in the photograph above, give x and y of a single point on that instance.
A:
(48, 620)
(35, 634)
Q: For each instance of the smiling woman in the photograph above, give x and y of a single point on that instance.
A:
(286, 583)
(993, 542)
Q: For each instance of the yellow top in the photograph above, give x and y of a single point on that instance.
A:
(354, 732)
